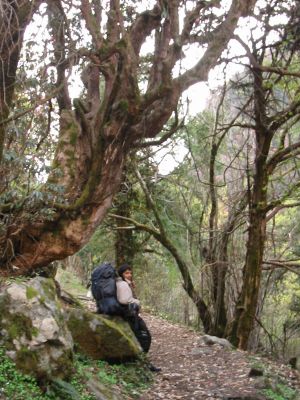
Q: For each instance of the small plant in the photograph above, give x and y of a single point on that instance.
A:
(275, 388)
(15, 385)
(281, 392)
(132, 377)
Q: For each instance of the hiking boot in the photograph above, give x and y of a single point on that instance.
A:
(154, 369)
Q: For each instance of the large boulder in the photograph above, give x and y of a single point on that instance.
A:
(33, 328)
(102, 337)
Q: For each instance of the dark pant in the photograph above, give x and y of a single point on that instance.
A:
(140, 330)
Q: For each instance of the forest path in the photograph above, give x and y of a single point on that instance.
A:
(192, 370)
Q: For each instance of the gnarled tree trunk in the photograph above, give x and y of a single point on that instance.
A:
(97, 131)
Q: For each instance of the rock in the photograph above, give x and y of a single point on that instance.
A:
(33, 329)
(211, 340)
(102, 392)
(102, 337)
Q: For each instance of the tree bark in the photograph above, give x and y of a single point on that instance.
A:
(14, 18)
(242, 325)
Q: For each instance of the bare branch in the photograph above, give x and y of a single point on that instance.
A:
(282, 264)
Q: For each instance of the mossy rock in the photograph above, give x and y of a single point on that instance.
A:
(33, 328)
(102, 337)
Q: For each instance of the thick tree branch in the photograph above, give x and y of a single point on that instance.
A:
(143, 26)
(57, 21)
(219, 37)
(282, 155)
(174, 128)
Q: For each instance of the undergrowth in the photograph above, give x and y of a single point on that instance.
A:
(280, 392)
(129, 379)
(275, 387)
(15, 385)
(132, 377)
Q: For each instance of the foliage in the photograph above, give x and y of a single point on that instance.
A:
(132, 377)
(99, 248)
(280, 392)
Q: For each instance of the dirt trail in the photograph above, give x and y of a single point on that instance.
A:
(192, 370)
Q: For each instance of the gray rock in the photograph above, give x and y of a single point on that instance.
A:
(211, 340)
(39, 330)
(102, 392)
(34, 330)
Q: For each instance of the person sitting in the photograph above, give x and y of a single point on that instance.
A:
(126, 296)
(125, 286)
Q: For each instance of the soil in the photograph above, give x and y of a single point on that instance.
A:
(192, 370)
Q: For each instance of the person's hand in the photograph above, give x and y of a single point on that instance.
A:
(133, 284)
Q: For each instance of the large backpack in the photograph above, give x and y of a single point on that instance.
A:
(104, 290)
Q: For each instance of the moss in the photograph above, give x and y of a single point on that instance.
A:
(70, 154)
(34, 331)
(121, 44)
(65, 364)
(73, 136)
(4, 301)
(102, 338)
(103, 51)
(20, 325)
(42, 299)
(27, 360)
(89, 187)
(31, 292)
(123, 105)
(49, 288)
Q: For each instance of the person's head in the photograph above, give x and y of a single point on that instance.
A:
(125, 272)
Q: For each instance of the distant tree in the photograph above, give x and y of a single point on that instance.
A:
(273, 119)
(88, 137)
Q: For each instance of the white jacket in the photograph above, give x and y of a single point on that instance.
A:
(124, 293)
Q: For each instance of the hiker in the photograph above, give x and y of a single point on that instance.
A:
(126, 296)
(126, 286)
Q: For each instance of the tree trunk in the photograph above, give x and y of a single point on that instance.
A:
(247, 304)
(245, 313)
(125, 246)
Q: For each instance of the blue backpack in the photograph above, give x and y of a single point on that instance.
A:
(104, 290)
